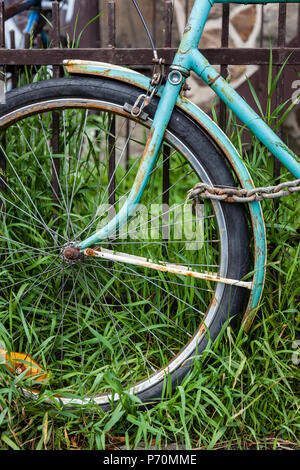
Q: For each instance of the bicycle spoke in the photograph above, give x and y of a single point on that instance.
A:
(65, 307)
(156, 168)
(89, 226)
(78, 323)
(186, 286)
(153, 306)
(164, 290)
(139, 321)
(27, 194)
(39, 164)
(78, 159)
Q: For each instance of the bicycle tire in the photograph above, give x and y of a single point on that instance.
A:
(205, 155)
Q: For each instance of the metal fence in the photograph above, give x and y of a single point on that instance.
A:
(143, 56)
(101, 34)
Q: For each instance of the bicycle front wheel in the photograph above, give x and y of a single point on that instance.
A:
(105, 327)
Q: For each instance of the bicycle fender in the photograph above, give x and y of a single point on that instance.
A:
(115, 72)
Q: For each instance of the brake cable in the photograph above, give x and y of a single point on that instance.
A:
(155, 55)
(143, 100)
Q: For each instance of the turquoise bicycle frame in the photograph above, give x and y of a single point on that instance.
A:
(189, 58)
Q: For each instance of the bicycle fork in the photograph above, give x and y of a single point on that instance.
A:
(148, 160)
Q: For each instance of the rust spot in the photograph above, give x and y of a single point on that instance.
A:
(185, 51)
(141, 173)
(50, 105)
(89, 252)
(72, 253)
(212, 80)
(202, 330)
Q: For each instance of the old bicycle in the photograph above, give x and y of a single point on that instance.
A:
(100, 293)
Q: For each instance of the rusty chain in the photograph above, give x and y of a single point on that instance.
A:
(227, 194)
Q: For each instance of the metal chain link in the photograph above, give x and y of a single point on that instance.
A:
(145, 99)
(227, 194)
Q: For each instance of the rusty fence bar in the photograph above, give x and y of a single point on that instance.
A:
(143, 56)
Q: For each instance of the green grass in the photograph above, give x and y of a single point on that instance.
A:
(246, 395)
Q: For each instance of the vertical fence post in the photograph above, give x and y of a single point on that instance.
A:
(100, 8)
(27, 41)
(56, 34)
(224, 67)
(55, 116)
(154, 20)
(87, 11)
(186, 10)
(280, 85)
(14, 69)
(2, 84)
(2, 43)
(112, 129)
(298, 23)
(168, 23)
(111, 23)
(262, 69)
(262, 26)
(2, 25)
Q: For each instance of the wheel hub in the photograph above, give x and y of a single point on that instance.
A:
(71, 254)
